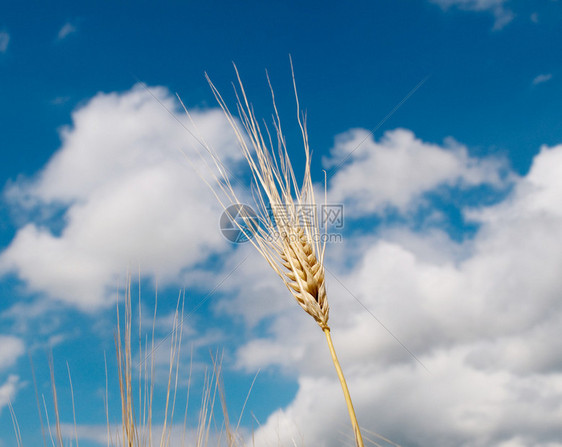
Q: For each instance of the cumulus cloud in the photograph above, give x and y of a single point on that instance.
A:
(542, 78)
(4, 41)
(501, 14)
(454, 405)
(482, 316)
(11, 348)
(397, 171)
(249, 295)
(127, 195)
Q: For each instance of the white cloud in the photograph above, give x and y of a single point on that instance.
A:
(66, 30)
(483, 317)
(39, 317)
(8, 390)
(130, 199)
(542, 78)
(398, 170)
(11, 348)
(501, 14)
(453, 405)
(261, 297)
(4, 41)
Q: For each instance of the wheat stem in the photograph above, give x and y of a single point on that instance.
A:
(354, 423)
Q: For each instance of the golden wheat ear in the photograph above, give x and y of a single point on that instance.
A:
(290, 242)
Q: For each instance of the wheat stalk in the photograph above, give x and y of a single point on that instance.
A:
(289, 240)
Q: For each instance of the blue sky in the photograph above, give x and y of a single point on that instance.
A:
(452, 235)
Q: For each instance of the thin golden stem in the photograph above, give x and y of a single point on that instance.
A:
(357, 432)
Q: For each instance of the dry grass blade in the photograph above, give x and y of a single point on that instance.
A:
(39, 412)
(135, 427)
(73, 406)
(15, 424)
(287, 229)
(379, 436)
(58, 431)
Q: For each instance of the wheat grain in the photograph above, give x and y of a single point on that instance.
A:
(305, 277)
